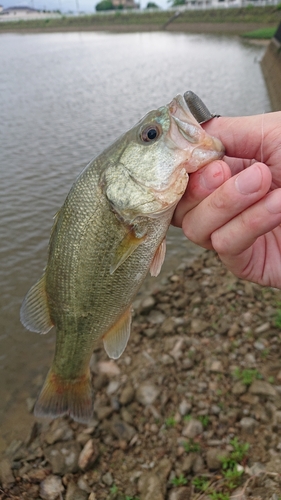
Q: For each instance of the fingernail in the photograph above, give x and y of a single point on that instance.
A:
(249, 181)
(273, 202)
(212, 177)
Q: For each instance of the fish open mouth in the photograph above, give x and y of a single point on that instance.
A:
(188, 135)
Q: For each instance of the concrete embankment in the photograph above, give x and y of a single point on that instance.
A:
(271, 67)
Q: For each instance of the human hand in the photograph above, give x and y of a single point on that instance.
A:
(234, 206)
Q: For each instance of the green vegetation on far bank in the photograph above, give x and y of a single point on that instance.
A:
(260, 16)
(261, 34)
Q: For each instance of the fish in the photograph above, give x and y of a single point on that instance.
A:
(108, 234)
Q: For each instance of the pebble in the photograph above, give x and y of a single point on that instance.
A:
(184, 407)
(107, 479)
(127, 395)
(59, 430)
(156, 317)
(150, 487)
(199, 325)
(51, 488)
(109, 368)
(88, 455)
(147, 393)
(122, 431)
(192, 429)
(248, 425)
(182, 493)
(6, 475)
(73, 492)
(262, 388)
(63, 457)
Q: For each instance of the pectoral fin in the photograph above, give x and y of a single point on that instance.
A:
(34, 313)
(116, 339)
(127, 246)
(158, 259)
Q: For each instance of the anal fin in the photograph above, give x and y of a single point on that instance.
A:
(116, 339)
(34, 313)
(158, 259)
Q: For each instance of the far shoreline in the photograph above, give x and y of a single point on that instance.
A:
(226, 28)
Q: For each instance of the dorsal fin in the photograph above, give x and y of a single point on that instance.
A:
(34, 313)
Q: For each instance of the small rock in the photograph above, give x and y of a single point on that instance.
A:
(259, 346)
(199, 326)
(37, 475)
(188, 462)
(112, 387)
(167, 360)
(122, 431)
(109, 368)
(184, 408)
(150, 487)
(193, 429)
(147, 304)
(83, 485)
(156, 317)
(88, 455)
(216, 366)
(168, 326)
(6, 475)
(147, 393)
(198, 465)
(248, 425)
(262, 388)
(214, 458)
(63, 457)
(103, 412)
(127, 395)
(262, 328)
(182, 493)
(92, 496)
(239, 388)
(51, 488)
(73, 492)
(107, 479)
(59, 430)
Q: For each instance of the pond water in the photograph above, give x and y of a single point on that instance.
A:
(64, 98)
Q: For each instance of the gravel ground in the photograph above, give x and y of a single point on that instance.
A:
(192, 410)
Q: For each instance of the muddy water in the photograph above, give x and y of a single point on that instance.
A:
(64, 97)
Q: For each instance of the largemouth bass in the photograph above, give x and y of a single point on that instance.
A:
(109, 232)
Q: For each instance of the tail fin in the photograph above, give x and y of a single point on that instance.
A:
(65, 397)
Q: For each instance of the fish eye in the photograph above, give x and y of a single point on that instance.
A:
(150, 133)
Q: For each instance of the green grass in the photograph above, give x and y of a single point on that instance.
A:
(179, 481)
(267, 16)
(261, 34)
(247, 376)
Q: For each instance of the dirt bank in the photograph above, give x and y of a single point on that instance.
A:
(192, 410)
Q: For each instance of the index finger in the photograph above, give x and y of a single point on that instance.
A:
(244, 137)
